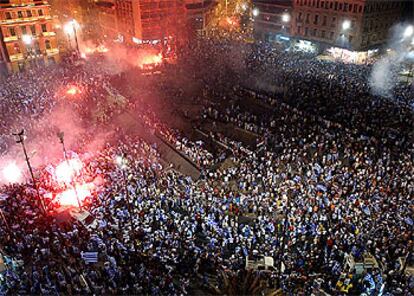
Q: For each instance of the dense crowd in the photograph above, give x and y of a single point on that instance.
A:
(323, 185)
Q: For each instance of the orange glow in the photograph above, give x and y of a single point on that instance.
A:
(91, 50)
(150, 60)
(69, 198)
(229, 22)
(73, 90)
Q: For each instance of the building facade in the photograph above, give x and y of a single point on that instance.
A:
(199, 14)
(107, 19)
(27, 34)
(352, 24)
(272, 20)
(146, 21)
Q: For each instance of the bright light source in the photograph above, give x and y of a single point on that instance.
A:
(70, 27)
(285, 17)
(27, 39)
(244, 6)
(346, 25)
(66, 170)
(255, 11)
(121, 162)
(12, 173)
(70, 196)
(408, 32)
(73, 90)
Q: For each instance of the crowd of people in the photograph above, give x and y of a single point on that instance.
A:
(322, 185)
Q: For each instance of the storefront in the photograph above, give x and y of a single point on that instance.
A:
(354, 57)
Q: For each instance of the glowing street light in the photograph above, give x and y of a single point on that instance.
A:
(346, 25)
(27, 39)
(285, 17)
(408, 32)
(71, 27)
(255, 11)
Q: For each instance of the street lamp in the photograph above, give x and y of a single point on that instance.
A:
(285, 17)
(346, 24)
(408, 32)
(20, 140)
(27, 39)
(71, 27)
(61, 137)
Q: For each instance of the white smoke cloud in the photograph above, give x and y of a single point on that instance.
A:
(384, 75)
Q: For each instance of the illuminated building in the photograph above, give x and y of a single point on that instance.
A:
(199, 14)
(353, 24)
(107, 18)
(83, 11)
(27, 34)
(272, 21)
(142, 21)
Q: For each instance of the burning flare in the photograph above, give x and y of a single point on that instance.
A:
(69, 198)
(67, 170)
(73, 90)
(12, 173)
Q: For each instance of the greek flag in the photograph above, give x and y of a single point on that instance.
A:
(90, 257)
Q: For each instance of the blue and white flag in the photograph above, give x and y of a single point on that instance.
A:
(90, 257)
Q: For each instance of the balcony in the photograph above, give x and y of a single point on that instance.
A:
(10, 38)
(52, 51)
(49, 34)
(24, 19)
(16, 57)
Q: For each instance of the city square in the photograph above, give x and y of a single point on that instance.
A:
(153, 147)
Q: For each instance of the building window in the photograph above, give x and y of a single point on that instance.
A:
(44, 28)
(323, 34)
(360, 9)
(12, 31)
(324, 20)
(314, 32)
(306, 31)
(8, 15)
(331, 36)
(300, 30)
(322, 4)
(47, 44)
(29, 13)
(20, 14)
(33, 29)
(24, 30)
(340, 6)
(16, 48)
(345, 7)
(315, 20)
(333, 22)
(336, 5)
(331, 5)
(350, 38)
(307, 18)
(40, 12)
